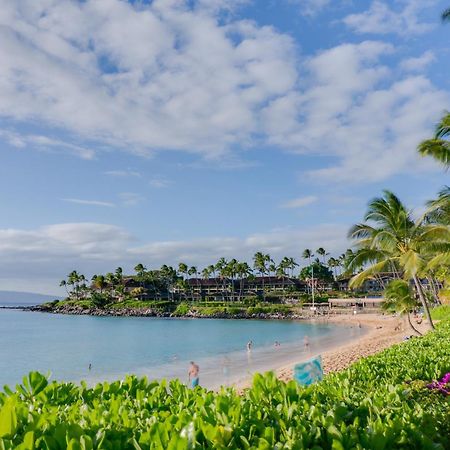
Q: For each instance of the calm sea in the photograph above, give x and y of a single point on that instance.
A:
(114, 346)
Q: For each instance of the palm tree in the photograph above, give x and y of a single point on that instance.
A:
(140, 272)
(220, 268)
(193, 271)
(446, 15)
(243, 270)
(333, 264)
(308, 254)
(291, 264)
(321, 251)
(99, 282)
(396, 242)
(438, 146)
(438, 210)
(399, 298)
(260, 261)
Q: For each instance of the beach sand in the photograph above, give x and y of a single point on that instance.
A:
(382, 332)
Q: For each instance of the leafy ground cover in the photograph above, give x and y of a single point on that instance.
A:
(441, 312)
(381, 402)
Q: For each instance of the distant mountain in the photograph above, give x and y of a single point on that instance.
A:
(15, 298)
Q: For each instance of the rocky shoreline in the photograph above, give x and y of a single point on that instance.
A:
(150, 312)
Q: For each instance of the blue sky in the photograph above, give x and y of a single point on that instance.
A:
(173, 130)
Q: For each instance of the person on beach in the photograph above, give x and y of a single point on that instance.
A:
(193, 374)
(249, 346)
(306, 343)
(90, 366)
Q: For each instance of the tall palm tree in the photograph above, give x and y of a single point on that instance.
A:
(308, 254)
(389, 239)
(439, 145)
(99, 282)
(399, 298)
(438, 210)
(260, 261)
(140, 272)
(322, 252)
(243, 271)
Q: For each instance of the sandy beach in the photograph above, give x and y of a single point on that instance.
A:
(382, 332)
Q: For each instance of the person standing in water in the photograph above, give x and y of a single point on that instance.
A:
(193, 374)
(306, 343)
(249, 346)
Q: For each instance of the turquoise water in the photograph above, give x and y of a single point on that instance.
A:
(66, 345)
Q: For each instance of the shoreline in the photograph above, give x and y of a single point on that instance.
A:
(382, 332)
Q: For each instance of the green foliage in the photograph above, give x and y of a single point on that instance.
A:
(182, 310)
(99, 300)
(441, 312)
(321, 272)
(378, 403)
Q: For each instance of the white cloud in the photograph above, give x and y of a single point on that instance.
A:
(418, 64)
(299, 202)
(381, 18)
(356, 110)
(310, 7)
(79, 201)
(130, 198)
(45, 143)
(47, 254)
(159, 183)
(193, 83)
(123, 173)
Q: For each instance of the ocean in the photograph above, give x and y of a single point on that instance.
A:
(64, 346)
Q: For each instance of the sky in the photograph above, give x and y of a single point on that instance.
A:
(188, 130)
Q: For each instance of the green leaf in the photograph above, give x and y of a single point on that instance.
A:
(8, 419)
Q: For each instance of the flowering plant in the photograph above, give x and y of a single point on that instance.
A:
(443, 385)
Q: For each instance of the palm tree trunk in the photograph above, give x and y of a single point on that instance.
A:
(423, 300)
(411, 325)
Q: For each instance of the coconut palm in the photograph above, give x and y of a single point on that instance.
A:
(99, 282)
(389, 239)
(322, 252)
(243, 270)
(439, 145)
(260, 261)
(446, 15)
(399, 298)
(438, 210)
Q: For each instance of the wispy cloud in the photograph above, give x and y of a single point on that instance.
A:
(159, 183)
(89, 202)
(130, 198)
(299, 202)
(123, 173)
(419, 63)
(382, 18)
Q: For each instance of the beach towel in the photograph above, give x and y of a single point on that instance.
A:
(308, 372)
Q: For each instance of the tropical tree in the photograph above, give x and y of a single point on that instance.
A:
(99, 282)
(243, 271)
(333, 264)
(389, 239)
(322, 252)
(399, 298)
(438, 146)
(446, 15)
(260, 261)
(140, 273)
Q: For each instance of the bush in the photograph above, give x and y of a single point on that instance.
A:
(182, 309)
(441, 312)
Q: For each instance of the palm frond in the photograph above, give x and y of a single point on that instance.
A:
(439, 149)
(359, 279)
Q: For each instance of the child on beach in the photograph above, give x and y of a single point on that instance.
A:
(193, 372)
